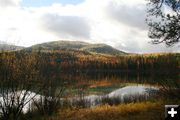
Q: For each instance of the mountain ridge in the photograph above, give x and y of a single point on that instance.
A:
(8, 47)
(77, 45)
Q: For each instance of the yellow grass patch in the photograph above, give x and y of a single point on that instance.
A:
(132, 111)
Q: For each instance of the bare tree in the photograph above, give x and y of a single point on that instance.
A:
(164, 21)
(51, 100)
(17, 73)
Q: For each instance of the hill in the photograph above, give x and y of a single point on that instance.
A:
(7, 47)
(102, 49)
(77, 45)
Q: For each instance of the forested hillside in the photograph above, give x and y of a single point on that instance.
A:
(77, 45)
(7, 47)
(79, 61)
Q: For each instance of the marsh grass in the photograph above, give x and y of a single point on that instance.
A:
(47, 105)
(130, 111)
(81, 103)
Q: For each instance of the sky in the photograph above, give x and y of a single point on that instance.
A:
(39, 3)
(119, 23)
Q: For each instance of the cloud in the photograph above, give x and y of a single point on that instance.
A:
(7, 3)
(66, 25)
(118, 23)
(133, 16)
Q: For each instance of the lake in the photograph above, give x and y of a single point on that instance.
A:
(95, 88)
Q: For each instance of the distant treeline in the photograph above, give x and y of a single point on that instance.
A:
(158, 63)
(78, 61)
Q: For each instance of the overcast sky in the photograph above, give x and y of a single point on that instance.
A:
(119, 23)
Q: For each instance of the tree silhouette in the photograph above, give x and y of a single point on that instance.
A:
(18, 73)
(164, 21)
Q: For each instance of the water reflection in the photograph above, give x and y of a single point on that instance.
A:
(92, 100)
(132, 90)
(21, 98)
(98, 87)
(122, 93)
(104, 83)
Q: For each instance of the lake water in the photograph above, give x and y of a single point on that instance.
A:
(96, 86)
(121, 92)
(19, 97)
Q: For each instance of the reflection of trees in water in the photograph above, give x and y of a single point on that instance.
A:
(119, 77)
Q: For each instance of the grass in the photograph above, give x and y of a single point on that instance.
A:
(138, 110)
(131, 111)
(151, 109)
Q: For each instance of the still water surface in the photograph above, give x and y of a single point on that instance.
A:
(96, 86)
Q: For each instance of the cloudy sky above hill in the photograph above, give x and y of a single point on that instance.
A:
(119, 23)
